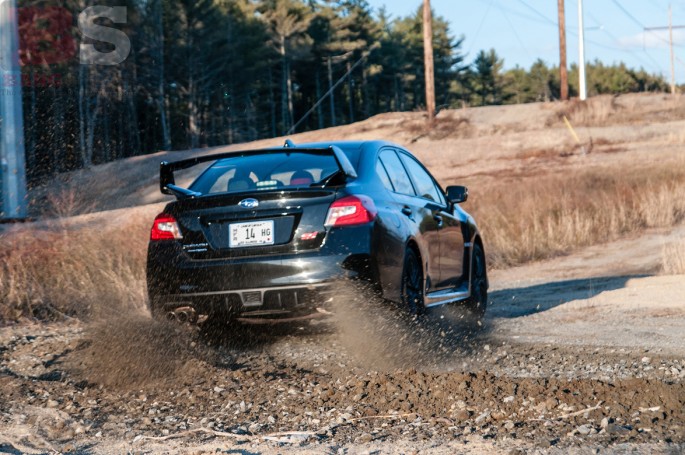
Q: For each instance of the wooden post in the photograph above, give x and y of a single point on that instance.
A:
(563, 71)
(428, 58)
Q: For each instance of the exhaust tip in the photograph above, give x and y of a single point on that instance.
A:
(182, 317)
(184, 314)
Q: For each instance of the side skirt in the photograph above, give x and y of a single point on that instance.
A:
(448, 296)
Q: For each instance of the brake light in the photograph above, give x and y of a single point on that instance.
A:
(351, 210)
(165, 227)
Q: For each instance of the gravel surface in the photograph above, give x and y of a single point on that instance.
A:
(348, 386)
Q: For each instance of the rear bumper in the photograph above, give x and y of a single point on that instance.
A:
(274, 286)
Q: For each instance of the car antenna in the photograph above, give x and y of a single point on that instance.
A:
(289, 144)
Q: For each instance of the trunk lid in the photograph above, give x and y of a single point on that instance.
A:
(266, 223)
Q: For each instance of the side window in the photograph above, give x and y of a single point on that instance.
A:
(424, 182)
(398, 175)
(383, 174)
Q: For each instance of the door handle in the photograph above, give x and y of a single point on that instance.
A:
(407, 211)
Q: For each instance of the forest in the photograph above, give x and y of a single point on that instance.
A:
(201, 73)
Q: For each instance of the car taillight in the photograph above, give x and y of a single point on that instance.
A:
(351, 210)
(165, 227)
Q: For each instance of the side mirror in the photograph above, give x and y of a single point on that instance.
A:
(457, 194)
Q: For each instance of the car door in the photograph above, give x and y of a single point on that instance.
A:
(450, 239)
(416, 211)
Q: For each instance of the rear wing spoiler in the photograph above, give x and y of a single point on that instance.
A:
(167, 182)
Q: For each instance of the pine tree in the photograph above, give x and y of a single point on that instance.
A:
(487, 83)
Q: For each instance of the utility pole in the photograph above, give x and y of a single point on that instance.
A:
(670, 42)
(563, 71)
(581, 51)
(428, 58)
(12, 159)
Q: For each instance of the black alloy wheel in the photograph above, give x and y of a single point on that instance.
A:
(412, 284)
(479, 288)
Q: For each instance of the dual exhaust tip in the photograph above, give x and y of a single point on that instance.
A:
(183, 315)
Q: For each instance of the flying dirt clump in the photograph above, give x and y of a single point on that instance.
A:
(133, 350)
(381, 336)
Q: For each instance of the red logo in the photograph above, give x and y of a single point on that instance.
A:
(45, 35)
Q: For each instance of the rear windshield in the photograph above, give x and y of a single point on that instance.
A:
(266, 171)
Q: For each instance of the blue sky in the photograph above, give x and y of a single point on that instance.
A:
(522, 31)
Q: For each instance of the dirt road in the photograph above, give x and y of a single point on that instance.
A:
(572, 364)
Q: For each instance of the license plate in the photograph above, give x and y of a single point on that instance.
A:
(251, 234)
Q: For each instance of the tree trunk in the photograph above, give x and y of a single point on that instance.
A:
(107, 146)
(85, 162)
(397, 93)
(284, 89)
(330, 87)
(161, 96)
(350, 89)
(32, 123)
(91, 122)
(365, 91)
(58, 122)
(319, 109)
(132, 117)
(272, 103)
(193, 130)
(291, 110)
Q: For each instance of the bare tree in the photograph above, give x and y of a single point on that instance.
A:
(288, 21)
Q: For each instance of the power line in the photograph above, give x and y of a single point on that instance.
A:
(538, 13)
(480, 27)
(545, 21)
(680, 61)
(525, 16)
(635, 20)
(542, 19)
(654, 63)
(518, 38)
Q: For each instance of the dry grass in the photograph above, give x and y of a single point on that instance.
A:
(441, 128)
(539, 217)
(48, 272)
(596, 111)
(674, 258)
(54, 271)
(65, 202)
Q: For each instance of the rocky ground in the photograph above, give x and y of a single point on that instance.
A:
(566, 360)
(446, 384)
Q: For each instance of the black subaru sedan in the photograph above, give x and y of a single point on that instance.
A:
(265, 235)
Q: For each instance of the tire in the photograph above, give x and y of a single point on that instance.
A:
(412, 284)
(478, 301)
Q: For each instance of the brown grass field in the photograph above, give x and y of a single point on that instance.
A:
(535, 191)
